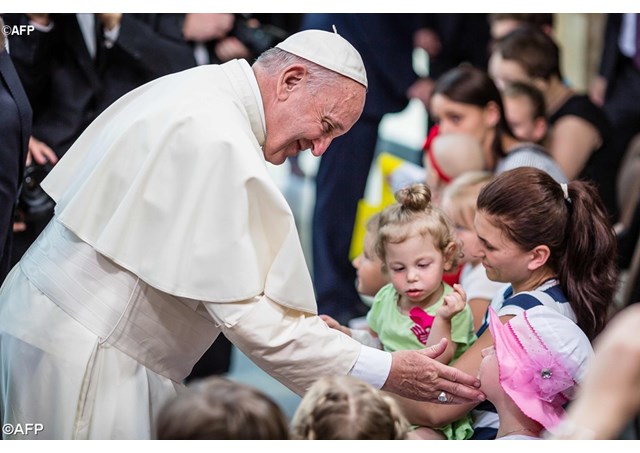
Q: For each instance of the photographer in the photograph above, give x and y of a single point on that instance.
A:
(220, 37)
(15, 128)
(72, 67)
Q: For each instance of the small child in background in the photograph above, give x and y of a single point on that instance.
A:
(416, 245)
(346, 408)
(370, 277)
(219, 409)
(449, 156)
(459, 203)
(532, 370)
(525, 112)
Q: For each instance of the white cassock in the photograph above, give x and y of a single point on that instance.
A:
(168, 230)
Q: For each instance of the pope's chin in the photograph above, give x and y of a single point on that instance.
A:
(278, 156)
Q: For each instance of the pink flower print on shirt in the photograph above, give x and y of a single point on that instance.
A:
(423, 322)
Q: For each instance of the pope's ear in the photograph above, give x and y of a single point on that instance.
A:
(290, 79)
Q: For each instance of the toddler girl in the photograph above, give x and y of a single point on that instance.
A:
(416, 246)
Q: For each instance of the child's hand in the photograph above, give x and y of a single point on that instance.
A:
(335, 324)
(453, 303)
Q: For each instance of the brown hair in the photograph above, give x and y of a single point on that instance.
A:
(468, 85)
(220, 409)
(539, 20)
(530, 208)
(346, 408)
(461, 196)
(532, 49)
(414, 214)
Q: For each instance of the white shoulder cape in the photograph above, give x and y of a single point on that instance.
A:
(170, 182)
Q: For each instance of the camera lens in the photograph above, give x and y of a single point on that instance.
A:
(34, 202)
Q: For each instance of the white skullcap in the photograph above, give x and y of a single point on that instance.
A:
(329, 50)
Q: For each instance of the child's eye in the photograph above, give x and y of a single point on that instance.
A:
(397, 269)
(423, 265)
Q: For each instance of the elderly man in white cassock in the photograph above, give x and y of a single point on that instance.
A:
(168, 230)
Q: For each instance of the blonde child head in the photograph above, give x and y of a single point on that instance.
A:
(459, 203)
(414, 214)
(449, 156)
(346, 408)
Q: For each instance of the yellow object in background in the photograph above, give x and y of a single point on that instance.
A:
(388, 174)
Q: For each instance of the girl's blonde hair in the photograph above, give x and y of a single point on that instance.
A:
(415, 214)
(373, 223)
(459, 198)
(347, 408)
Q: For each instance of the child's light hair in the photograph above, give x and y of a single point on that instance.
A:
(373, 223)
(347, 408)
(414, 214)
(459, 198)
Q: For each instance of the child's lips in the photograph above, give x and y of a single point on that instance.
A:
(414, 292)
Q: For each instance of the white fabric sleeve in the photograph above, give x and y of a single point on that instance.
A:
(295, 347)
(373, 366)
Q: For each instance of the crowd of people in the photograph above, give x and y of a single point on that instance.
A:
(156, 238)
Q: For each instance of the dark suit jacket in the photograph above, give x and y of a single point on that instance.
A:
(611, 55)
(15, 129)
(68, 89)
(613, 61)
(464, 38)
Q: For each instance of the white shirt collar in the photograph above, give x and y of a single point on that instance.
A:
(251, 77)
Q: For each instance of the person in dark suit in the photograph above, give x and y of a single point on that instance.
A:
(385, 42)
(617, 87)
(15, 128)
(73, 66)
(462, 38)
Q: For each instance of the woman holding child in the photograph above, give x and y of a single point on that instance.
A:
(555, 246)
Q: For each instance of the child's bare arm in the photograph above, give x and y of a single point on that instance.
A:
(453, 304)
